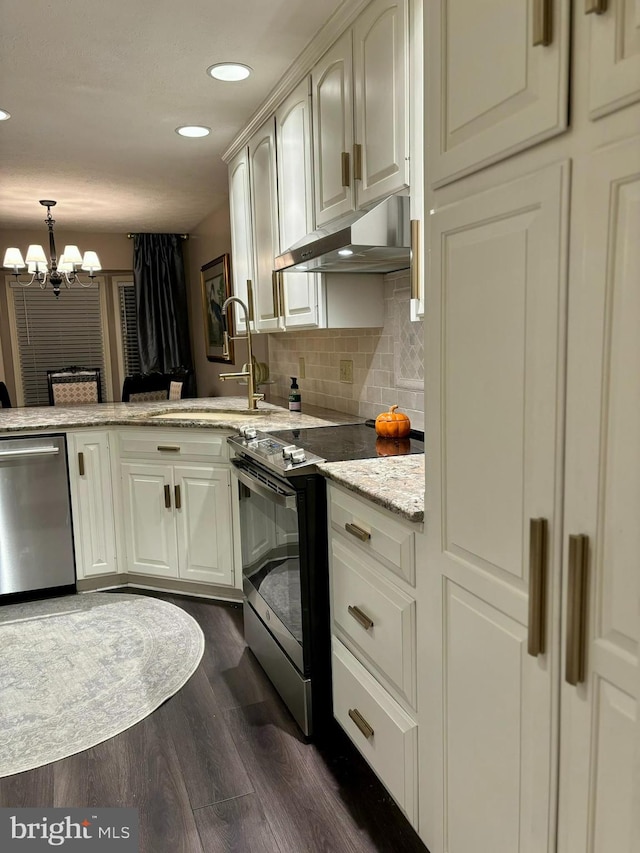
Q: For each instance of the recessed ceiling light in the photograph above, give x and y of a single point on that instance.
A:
(4, 115)
(345, 252)
(229, 71)
(193, 130)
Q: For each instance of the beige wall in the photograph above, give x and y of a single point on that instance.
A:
(207, 241)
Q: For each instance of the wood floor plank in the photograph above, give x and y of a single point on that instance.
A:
(236, 826)
(211, 767)
(32, 788)
(138, 769)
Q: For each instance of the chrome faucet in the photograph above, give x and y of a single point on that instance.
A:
(252, 394)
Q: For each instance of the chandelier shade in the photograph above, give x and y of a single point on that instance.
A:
(56, 270)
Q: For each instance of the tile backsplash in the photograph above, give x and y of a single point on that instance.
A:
(388, 362)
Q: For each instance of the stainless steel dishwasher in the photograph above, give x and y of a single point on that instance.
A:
(36, 539)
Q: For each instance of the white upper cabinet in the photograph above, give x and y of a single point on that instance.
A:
(297, 292)
(333, 131)
(360, 113)
(380, 86)
(241, 239)
(614, 52)
(497, 80)
(264, 214)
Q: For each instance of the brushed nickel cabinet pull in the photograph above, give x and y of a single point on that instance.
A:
(169, 448)
(416, 259)
(361, 723)
(599, 7)
(577, 608)
(283, 307)
(360, 617)
(357, 161)
(537, 586)
(346, 178)
(356, 531)
(81, 464)
(542, 22)
(250, 300)
(178, 501)
(167, 496)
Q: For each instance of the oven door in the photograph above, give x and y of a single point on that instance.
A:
(269, 533)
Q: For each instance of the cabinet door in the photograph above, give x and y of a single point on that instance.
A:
(495, 329)
(92, 502)
(491, 92)
(203, 518)
(332, 92)
(600, 724)
(149, 524)
(295, 203)
(380, 89)
(264, 214)
(241, 240)
(614, 57)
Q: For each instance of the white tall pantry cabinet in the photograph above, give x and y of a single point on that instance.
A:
(529, 637)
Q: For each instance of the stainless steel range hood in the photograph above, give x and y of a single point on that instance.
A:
(376, 240)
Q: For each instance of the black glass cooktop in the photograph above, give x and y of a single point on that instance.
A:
(350, 441)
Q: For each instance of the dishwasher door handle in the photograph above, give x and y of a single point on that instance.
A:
(25, 454)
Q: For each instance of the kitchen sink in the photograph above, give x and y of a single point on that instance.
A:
(218, 415)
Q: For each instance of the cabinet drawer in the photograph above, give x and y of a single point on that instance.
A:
(359, 594)
(390, 743)
(374, 533)
(174, 445)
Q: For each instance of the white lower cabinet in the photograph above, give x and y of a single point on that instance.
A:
(177, 521)
(92, 503)
(373, 623)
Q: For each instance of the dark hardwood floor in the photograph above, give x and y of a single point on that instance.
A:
(221, 766)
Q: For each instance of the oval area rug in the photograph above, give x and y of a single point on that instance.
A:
(77, 670)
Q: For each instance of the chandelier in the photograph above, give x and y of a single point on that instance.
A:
(57, 271)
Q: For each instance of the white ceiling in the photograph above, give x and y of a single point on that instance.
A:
(96, 89)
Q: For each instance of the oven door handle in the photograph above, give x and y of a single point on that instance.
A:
(287, 499)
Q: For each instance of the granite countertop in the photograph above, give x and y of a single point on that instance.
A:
(394, 482)
(269, 416)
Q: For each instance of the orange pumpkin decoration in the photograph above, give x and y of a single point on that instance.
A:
(392, 446)
(393, 424)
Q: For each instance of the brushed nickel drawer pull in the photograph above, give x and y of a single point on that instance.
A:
(360, 617)
(357, 161)
(81, 464)
(415, 259)
(597, 6)
(361, 723)
(537, 585)
(577, 608)
(178, 501)
(346, 178)
(356, 531)
(169, 448)
(542, 20)
(167, 497)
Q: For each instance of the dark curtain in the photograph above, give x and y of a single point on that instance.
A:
(161, 301)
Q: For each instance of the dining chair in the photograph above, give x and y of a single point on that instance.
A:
(145, 388)
(74, 386)
(5, 399)
(178, 382)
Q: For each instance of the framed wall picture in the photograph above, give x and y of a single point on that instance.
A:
(216, 287)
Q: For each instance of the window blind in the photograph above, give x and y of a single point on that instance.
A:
(129, 328)
(54, 333)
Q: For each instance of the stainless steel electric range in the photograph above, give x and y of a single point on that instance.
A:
(283, 527)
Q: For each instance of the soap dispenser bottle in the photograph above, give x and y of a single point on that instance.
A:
(295, 400)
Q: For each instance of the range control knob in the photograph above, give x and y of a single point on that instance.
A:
(288, 450)
(248, 432)
(298, 455)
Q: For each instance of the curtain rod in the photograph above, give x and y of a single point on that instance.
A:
(184, 236)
